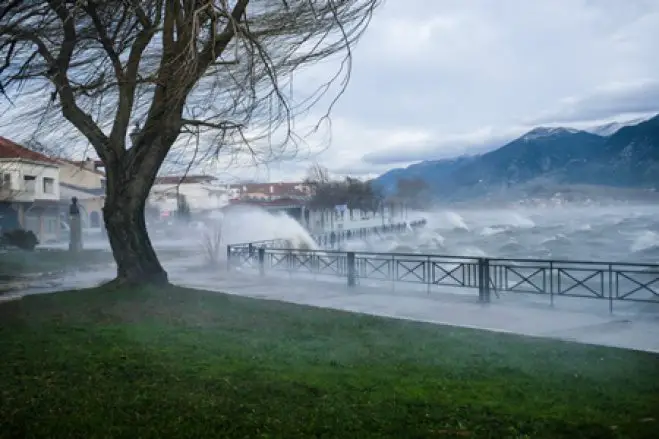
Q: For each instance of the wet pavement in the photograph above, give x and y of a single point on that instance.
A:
(631, 325)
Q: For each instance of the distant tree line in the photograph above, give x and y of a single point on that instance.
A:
(355, 194)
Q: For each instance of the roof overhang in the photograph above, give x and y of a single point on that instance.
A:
(29, 162)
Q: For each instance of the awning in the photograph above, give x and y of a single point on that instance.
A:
(42, 205)
(47, 203)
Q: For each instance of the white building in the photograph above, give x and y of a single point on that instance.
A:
(201, 193)
(29, 191)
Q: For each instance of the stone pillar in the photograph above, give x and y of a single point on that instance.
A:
(75, 224)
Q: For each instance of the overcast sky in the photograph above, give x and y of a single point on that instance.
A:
(434, 79)
(440, 78)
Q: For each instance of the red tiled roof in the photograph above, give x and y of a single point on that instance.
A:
(12, 150)
(183, 179)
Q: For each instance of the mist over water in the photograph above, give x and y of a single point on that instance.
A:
(616, 232)
(611, 233)
(575, 232)
(238, 225)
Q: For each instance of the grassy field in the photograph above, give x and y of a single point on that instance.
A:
(180, 363)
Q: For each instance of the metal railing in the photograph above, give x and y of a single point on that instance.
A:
(612, 281)
(334, 238)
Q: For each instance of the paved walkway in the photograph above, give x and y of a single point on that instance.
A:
(632, 325)
(635, 326)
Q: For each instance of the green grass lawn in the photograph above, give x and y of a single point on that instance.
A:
(180, 363)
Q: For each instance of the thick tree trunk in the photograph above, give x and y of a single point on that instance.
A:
(137, 262)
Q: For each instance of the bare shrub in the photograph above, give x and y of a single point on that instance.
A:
(211, 241)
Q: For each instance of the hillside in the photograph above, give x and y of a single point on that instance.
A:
(627, 158)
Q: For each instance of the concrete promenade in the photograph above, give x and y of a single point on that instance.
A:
(582, 320)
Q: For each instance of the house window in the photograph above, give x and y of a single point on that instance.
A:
(5, 181)
(104, 183)
(48, 185)
(51, 225)
(95, 220)
(29, 183)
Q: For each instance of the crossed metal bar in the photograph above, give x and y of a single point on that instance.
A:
(410, 271)
(376, 269)
(582, 282)
(449, 274)
(641, 285)
(525, 279)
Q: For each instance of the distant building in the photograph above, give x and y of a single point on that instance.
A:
(289, 198)
(29, 191)
(201, 192)
(272, 191)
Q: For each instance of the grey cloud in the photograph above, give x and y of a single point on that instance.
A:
(449, 68)
(453, 146)
(610, 102)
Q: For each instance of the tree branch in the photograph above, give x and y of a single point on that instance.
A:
(92, 42)
(224, 125)
(128, 85)
(215, 48)
(108, 45)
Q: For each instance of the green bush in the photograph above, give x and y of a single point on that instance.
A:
(23, 239)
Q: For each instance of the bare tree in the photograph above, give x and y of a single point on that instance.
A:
(317, 175)
(184, 69)
(211, 242)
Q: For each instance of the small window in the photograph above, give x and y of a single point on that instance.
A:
(104, 183)
(51, 225)
(5, 181)
(95, 220)
(29, 183)
(48, 185)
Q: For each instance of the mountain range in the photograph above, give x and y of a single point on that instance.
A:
(612, 155)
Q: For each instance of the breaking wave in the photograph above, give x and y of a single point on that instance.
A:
(610, 233)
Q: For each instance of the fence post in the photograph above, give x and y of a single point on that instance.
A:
(290, 263)
(352, 274)
(228, 258)
(486, 279)
(262, 261)
(483, 280)
(551, 283)
(480, 280)
(611, 288)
